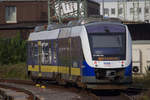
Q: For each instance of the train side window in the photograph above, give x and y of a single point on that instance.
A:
(46, 53)
(34, 52)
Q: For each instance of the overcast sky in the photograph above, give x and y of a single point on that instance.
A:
(91, 0)
(105, 0)
(112, 0)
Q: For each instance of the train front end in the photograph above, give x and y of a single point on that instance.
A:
(107, 54)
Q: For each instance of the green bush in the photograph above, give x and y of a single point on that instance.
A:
(142, 82)
(12, 50)
(14, 71)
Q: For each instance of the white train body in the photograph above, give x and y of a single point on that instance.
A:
(92, 54)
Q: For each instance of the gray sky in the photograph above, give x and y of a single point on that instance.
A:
(104, 0)
(112, 0)
(46, 0)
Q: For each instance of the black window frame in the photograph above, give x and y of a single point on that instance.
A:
(91, 45)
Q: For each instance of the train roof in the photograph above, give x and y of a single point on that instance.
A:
(44, 35)
(56, 33)
(73, 29)
(82, 21)
(93, 20)
(103, 23)
(102, 27)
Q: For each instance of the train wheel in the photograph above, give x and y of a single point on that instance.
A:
(59, 80)
(81, 85)
(62, 82)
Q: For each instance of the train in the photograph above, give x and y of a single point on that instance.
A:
(89, 52)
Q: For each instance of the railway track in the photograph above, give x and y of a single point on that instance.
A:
(13, 93)
(134, 93)
(128, 94)
(111, 95)
(116, 97)
(52, 91)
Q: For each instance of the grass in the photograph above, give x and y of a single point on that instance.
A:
(16, 71)
(143, 83)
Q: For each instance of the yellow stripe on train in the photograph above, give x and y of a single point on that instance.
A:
(33, 68)
(60, 69)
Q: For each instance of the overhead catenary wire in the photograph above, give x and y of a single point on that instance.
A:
(66, 9)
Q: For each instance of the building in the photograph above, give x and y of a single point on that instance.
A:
(127, 10)
(19, 11)
(21, 16)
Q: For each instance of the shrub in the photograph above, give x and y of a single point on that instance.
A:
(12, 50)
(14, 71)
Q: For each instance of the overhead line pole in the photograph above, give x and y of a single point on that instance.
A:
(103, 7)
(49, 12)
(59, 11)
(124, 9)
(78, 9)
(85, 9)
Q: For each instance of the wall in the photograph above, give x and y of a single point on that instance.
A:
(27, 11)
(144, 47)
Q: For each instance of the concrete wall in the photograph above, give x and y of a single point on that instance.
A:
(144, 48)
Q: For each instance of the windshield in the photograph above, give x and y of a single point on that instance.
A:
(106, 41)
(107, 45)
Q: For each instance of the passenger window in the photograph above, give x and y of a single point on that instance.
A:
(34, 52)
(46, 53)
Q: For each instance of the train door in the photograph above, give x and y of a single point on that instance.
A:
(54, 51)
(39, 58)
(33, 54)
(64, 54)
(76, 57)
(32, 57)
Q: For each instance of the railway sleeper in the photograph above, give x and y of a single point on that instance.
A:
(8, 94)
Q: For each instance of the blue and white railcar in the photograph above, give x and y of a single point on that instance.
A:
(88, 54)
(107, 49)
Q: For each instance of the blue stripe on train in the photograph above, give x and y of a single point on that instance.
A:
(87, 70)
(128, 70)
